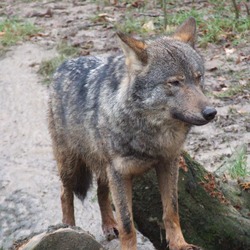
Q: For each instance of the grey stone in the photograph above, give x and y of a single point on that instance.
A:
(62, 238)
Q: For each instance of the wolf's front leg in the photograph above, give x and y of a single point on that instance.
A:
(109, 225)
(121, 190)
(168, 180)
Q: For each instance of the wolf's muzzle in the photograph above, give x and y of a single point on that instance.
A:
(209, 113)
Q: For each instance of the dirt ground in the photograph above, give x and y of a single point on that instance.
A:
(29, 184)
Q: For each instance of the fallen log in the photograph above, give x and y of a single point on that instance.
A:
(214, 213)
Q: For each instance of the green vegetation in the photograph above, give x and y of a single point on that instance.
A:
(47, 68)
(130, 25)
(237, 163)
(216, 20)
(15, 30)
(233, 91)
(67, 50)
(216, 23)
(237, 87)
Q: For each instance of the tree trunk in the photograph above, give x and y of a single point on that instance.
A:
(214, 214)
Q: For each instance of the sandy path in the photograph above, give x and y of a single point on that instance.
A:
(27, 175)
(29, 185)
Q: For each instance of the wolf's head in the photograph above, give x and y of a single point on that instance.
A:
(166, 76)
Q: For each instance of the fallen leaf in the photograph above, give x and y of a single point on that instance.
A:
(242, 111)
(238, 207)
(238, 60)
(245, 186)
(212, 65)
(182, 164)
(221, 78)
(138, 4)
(40, 35)
(149, 26)
(229, 51)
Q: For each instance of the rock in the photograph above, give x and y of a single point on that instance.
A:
(58, 238)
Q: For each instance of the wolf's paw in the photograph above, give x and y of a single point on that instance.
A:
(190, 247)
(184, 247)
(110, 232)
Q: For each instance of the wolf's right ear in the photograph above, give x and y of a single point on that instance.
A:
(186, 32)
(135, 51)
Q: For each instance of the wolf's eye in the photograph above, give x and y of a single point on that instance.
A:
(175, 83)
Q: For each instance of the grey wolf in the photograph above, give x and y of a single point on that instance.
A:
(119, 116)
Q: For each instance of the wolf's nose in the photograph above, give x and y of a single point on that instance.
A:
(209, 113)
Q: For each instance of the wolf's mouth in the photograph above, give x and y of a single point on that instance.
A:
(191, 119)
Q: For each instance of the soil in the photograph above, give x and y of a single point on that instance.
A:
(29, 184)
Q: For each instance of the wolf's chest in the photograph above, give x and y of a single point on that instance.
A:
(162, 144)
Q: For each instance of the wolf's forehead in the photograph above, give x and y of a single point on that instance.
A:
(176, 54)
(191, 60)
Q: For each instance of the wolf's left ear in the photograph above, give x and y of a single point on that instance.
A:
(134, 50)
(186, 32)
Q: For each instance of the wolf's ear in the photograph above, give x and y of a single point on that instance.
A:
(134, 50)
(186, 32)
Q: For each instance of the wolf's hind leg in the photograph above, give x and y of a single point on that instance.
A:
(76, 179)
(67, 202)
(109, 225)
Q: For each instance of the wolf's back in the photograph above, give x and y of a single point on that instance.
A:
(78, 84)
(73, 88)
